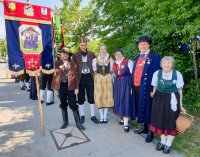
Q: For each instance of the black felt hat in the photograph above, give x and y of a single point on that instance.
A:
(144, 38)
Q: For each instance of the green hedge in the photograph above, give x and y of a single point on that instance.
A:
(191, 97)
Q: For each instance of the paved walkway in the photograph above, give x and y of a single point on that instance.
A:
(20, 131)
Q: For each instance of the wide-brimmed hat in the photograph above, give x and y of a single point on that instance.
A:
(144, 38)
(64, 50)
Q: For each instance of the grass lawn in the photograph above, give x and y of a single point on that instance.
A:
(188, 143)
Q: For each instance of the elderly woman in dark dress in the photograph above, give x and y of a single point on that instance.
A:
(167, 103)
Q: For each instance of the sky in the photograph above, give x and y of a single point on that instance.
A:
(47, 3)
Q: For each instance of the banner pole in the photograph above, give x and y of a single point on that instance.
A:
(39, 104)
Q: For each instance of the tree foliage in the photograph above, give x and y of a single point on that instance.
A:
(74, 19)
(174, 27)
(3, 48)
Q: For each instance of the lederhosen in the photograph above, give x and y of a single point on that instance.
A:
(86, 83)
(46, 79)
(67, 97)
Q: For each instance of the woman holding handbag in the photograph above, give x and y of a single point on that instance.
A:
(66, 82)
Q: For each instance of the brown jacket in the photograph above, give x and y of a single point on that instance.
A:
(77, 57)
(72, 76)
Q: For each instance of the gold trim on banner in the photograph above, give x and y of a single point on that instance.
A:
(47, 71)
(27, 20)
(16, 73)
(32, 73)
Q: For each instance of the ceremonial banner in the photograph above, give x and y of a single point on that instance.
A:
(29, 37)
(58, 35)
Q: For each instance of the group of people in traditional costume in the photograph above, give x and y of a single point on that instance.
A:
(147, 89)
(31, 40)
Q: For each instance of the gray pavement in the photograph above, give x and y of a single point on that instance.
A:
(20, 131)
(4, 71)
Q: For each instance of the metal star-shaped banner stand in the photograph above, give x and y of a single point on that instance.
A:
(71, 136)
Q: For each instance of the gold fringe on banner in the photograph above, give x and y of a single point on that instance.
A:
(27, 20)
(16, 73)
(48, 71)
(32, 73)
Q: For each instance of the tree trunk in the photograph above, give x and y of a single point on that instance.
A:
(193, 51)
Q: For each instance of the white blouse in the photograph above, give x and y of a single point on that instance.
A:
(94, 63)
(179, 82)
(130, 64)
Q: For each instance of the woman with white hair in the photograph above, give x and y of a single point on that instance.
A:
(103, 87)
(167, 103)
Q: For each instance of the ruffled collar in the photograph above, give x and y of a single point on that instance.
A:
(101, 59)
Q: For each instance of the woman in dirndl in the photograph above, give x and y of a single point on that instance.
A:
(167, 103)
(122, 88)
(103, 87)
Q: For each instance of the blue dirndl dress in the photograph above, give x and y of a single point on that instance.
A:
(121, 89)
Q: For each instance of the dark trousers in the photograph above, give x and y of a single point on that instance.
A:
(46, 79)
(33, 88)
(137, 98)
(86, 83)
(67, 97)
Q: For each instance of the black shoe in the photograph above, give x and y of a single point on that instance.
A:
(80, 126)
(49, 103)
(28, 90)
(23, 88)
(65, 118)
(121, 122)
(143, 130)
(42, 102)
(149, 137)
(95, 120)
(105, 121)
(126, 129)
(63, 126)
(166, 149)
(101, 121)
(160, 146)
(82, 119)
(77, 120)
